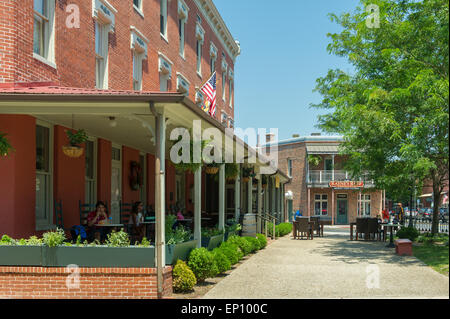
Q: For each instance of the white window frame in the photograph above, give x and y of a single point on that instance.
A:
(224, 119)
(180, 87)
(365, 205)
(183, 13)
(230, 84)
(92, 198)
(290, 167)
(165, 72)
(321, 201)
(139, 8)
(163, 14)
(137, 70)
(46, 224)
(213, 57)
(224, 83)
(101, 57)
(200, 37)
(47, 34)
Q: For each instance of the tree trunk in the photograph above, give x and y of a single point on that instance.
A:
(436, 202)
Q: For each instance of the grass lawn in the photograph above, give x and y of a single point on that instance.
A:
(433, 255)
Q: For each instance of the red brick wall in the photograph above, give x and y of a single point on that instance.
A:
(75, 48)
(95, 283)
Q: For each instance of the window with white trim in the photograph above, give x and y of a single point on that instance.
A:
(138, 4)
(165, 72)
(182, 20)
(44, 13)
(321, 204)
(163, 18)
(137, 71)
(365, 205)
(44, 176)
(213, 58)
(101, 55)
(199, 56)
(290, 167)
(90, 172)
(231, 92)
(224, 82)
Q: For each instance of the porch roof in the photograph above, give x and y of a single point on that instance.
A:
(322, 149)
(51, 97)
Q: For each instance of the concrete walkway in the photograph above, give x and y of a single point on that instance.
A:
(330, 267)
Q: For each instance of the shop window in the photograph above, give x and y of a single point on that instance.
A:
(321, 205)
(365, 205)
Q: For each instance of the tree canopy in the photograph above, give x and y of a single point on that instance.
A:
(393, 109)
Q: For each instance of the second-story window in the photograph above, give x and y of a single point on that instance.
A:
(199, 57)
(200, 36)
(224, 82)
(230, 87)
(213, 57)
(182, 20)
(44, 11)
(290, 167)
(139, 44)
(101, 55)
(137, 71)
(163, 18)
(138, 4)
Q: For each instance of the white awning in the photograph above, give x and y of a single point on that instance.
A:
(322, 149)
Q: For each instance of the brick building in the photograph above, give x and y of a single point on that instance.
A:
(126, 72)
(323, 188)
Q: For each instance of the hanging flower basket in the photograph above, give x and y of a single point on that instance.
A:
(72, 151)
(245, 179)
(211, 170)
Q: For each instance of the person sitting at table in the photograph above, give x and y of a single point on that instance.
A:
(137, 229)
(96, 217)
(179, 214)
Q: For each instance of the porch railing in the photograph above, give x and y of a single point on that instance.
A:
(423, 225)
(324, 177)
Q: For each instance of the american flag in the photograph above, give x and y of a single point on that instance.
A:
(209, 89)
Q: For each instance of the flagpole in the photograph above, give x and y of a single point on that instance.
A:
(203, 84)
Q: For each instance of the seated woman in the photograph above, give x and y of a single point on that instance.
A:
(134, 224)
(98, 216)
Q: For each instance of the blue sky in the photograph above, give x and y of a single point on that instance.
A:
(283, 53)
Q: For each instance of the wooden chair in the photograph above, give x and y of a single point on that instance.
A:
(316, 226)
(302, 227)
(373, 229)
(125, 213)
(84, 210)
(58, 208)
(361, 227)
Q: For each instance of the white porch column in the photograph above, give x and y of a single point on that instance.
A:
(273, 207)
(283, 213)
(258, 225)
(160, 195)
(237, 196)
(332, 157)
(249, 196)
(198, 207)
(222, 197)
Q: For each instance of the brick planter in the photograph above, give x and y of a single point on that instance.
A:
(94, 283)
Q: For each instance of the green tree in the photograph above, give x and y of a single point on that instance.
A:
(393, 108)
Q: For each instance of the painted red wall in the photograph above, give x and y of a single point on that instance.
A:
(129, 155)
(18, 177)
(170, 184)
(104, 170)
(69, 179)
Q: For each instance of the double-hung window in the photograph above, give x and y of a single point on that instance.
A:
(200, 36)
(44, 12)
(199, 57)
(90, 172)
(224, 82)
(101, 55)
(182, 20)
(321, 205)
(44, 176)
(365, 205)
(290, 167)
(230, 84)
(137, 71)
(163, 18)
(139, 48)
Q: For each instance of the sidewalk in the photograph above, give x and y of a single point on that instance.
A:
(330, 267)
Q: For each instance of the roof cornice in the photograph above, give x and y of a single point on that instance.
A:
(216, 22)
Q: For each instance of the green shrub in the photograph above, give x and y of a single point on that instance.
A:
(180, 235)
(34, 241)
(232, 251)
(54, 238)
(262, 241)
(183, 277)
(221, 260)
(254, 243)
(210, 232)
(408, 233)
(243, 244)
(7, 241)
(284, 229)
(118, 239)
(145, 242)
(202, 263)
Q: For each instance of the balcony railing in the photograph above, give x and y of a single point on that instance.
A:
(325, 177)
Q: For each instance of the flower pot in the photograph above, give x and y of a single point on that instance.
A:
(179, 251)
(211, 170)
(73, 151)
(212, 242)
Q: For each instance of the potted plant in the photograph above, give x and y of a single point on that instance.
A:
(232, 228)
(247, 173)
(74, 148)
(212, 168)
(212, 238)
(179, 242)
(5, 146)
(23, 252)
(190, 166)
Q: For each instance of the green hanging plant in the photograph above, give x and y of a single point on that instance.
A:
(314, 160)
(231, 172)
(5, 146)
(77, 138)
(191, 166)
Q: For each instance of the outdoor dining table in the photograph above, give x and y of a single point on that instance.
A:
(353, 224)
(391, 231)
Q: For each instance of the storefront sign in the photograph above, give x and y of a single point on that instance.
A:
(346, 184)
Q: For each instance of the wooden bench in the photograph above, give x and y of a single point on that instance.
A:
(403, 247)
